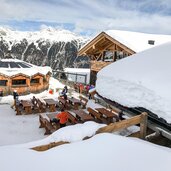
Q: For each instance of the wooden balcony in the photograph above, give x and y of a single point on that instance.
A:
(98, 65)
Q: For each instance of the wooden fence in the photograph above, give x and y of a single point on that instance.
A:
(140, 119)
(61, 75)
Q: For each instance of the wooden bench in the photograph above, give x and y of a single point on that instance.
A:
(63, 103)
(96, 115)
(41, 105)
(118, 113)
(36, 108)
(18, 109)
(83, 101)
(92, 93)
(42, 121)
(72, 119)
(49, 128)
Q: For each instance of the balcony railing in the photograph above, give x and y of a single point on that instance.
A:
(98, 65)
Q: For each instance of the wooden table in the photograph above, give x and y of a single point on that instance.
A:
(109, 115)
(51, 103)
(51, 116)
(75, 102)
(83, 116)
(27, 105)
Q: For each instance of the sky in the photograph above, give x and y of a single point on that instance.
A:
(88, 16)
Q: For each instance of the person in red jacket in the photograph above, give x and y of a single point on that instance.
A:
(81, 88)
(61, 118)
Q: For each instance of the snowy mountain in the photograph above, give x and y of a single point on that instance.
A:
(49, 46)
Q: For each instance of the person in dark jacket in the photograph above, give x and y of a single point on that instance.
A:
(15, 96)
(64, 92)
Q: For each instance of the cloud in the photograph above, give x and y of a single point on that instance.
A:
(152, 16)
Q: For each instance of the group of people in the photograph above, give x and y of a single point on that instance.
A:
(61, 117)
(80, 87)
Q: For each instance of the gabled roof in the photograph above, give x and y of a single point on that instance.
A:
(19, 74)
(138, 41)
(13, 67)
(129, 41)
(101, 41)
(37, 74)
(4, 75)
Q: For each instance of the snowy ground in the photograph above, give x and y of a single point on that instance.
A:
(18, 129)
(25, 128)
(102, 152)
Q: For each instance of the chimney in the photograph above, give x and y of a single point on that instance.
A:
(151, 42)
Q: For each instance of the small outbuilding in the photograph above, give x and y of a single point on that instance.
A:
(22, 76)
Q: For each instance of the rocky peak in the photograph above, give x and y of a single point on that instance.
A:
(49, 46)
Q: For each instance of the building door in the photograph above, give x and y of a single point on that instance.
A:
(93, 77)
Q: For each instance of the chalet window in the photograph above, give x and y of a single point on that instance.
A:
(108, 56)
(34, 81)
(19, 82)
(151, 42)
(3, 82)
(44, 79)
(119, 55)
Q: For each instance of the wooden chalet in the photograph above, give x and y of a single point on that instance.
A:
(23, 77)
(103, 50)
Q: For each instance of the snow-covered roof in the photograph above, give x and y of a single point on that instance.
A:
(11, 67)
(138, 41)
(142, 80)
(77, 70)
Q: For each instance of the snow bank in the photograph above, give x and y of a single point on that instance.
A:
(102, 152)
(141, 80)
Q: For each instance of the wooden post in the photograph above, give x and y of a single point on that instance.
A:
(143, 125)
(140, 119)
(48, 146)
(119, 125)
(85, 79)
(76, 78)
(67, 78)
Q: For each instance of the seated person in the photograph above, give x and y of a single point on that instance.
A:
(120, 115)
(61, 118)
(65, 96)
(64, 91)
(91, 91)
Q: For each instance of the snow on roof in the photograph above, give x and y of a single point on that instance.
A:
(141, 80)
(11, 67)
(138, 41)
(77, 70)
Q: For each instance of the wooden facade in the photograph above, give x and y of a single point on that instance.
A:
(24, 84)
(102, 51)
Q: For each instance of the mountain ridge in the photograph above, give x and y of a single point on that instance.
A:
(56, 48)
